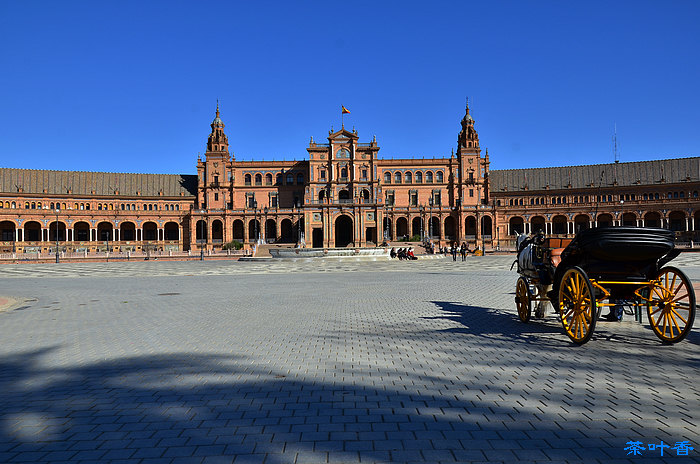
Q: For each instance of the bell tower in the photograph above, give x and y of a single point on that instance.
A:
(473, 169)
(215, 171)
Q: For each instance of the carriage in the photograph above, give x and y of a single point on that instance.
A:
(614, 267)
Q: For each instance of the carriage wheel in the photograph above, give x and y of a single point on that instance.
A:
(577, 305)
(523, 300)
(671, 305)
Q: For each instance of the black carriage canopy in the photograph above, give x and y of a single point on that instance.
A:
(622, 244)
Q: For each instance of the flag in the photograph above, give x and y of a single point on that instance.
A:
(345, 110)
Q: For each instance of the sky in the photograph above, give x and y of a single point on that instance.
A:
(132, 86)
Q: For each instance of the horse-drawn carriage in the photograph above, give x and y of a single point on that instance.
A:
(614, 267)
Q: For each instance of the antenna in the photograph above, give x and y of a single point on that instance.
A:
(615, 153)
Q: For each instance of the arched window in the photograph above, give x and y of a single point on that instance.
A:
(99, 207)
(408, 177)
(387, 177)
(429, 177)
(344, 172)
(268, 179)
(419, 177)
(247, 179)
(155, 207)
(397, 177)
(300, 179)
(290, 178)
(439, 177)
(278, 179)
(258, 179)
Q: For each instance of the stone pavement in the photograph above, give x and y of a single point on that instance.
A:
(331, 361)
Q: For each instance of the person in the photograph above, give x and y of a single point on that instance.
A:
(392, 253)
(453, 249)
(411, 256)
(401, 254)
(463, 251)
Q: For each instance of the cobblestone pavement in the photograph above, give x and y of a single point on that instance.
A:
(330, 361)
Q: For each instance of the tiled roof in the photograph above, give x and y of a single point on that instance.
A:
(34, 181)
(669, 171)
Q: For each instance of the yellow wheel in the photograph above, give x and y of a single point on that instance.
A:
(522, 299)
(671, 305)
(577, 305)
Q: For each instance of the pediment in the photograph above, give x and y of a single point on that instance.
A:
(343, 135)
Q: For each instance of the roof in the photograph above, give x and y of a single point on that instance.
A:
(34, 181)
(668, 171)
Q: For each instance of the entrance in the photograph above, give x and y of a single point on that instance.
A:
(343, 231)
(317, 237)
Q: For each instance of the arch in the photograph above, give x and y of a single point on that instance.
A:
(290, 178)
(127, 231)
(470, 227)
(537, 223)
(401, 228)
(429, 177)
(416, 227)
(449, 226)
(81, 231)
(387, 177)
(105, 232)
(278, 179)
(7, 231)
(629, 219)
(439, 177)
(258, 179)
(253, 230)
(344, 196)
(238, 230)
(286, 231)
(247, 178)
(676, 221)
(652, 219)
(270, 229)
(321, 194)
(604, 220)
(408, 177)
(268, 179)
(150, 231)
(560, 225)
(300, 179)
(171, 231)
(59, 228)
(419, 177)
(343, 231)
(217, 231)
(397, 177)
(365, 194)
(201, 231)
(581, 222)
(517, 225)
(486, 227)
(32, 231)
(434, 226)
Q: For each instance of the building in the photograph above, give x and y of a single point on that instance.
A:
(342, 195)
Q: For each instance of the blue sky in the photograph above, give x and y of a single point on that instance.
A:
(132, 86)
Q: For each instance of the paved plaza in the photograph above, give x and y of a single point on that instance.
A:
(326, 361)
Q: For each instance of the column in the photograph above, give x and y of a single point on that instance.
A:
(93, 235)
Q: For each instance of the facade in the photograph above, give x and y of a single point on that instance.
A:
(342, 195)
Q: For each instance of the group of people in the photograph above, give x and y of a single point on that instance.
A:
(402, 253)
(463, 250)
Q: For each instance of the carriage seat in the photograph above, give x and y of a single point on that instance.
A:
(556, 256)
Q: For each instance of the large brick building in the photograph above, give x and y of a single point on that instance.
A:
(342, 195)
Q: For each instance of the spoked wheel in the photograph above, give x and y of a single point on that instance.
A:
(523, 300)
(577, 305)
(671, 305)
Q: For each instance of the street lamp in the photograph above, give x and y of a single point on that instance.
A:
(201, 236)
(255, 220)
(422, 220)
(57, 260)
(430, 220)
(264, 228)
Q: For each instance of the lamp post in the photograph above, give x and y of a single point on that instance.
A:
(430, 220)
(201, 235)
(422, 220)
(255, 220)
(57, 258)
(264, 227)
(298, 214)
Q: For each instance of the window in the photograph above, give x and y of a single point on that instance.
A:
(471, 193)
(258, 179)
(437, 199)
(343, 172)
(247, 179)
(251, 201)
(273, 201)
(419, 177)
(216, 180)
(429, 177)
(268, 179)
(300, 179)
(290, 178)
(387, 177)
(408, 177)
(390, 199)
(278, 179)
(414, 199)
(216, 198)
(99, 207)
(438, 176)
(323, 174)
(471, 176)
(364, 173)
(397, 177)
